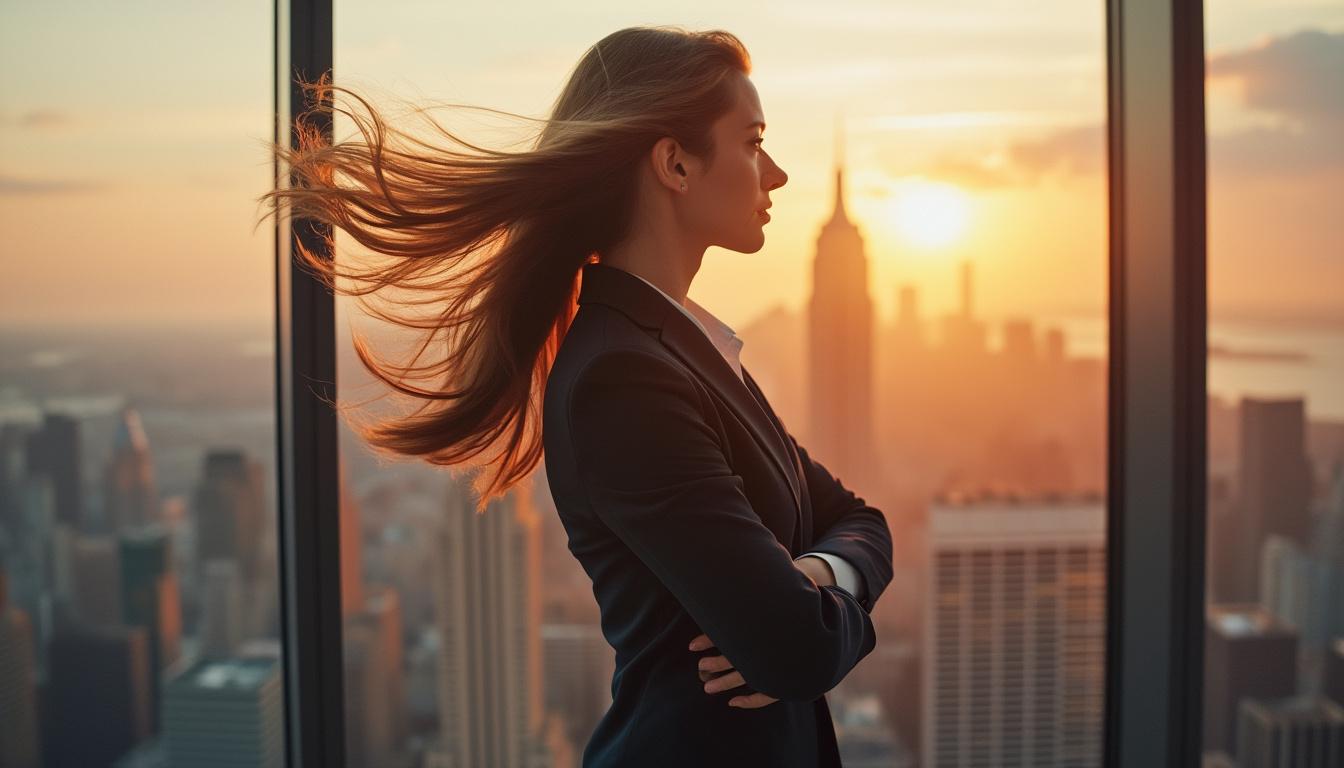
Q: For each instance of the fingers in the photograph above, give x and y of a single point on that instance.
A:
(715, 664)
(751, 701)
(725, 682)
(701, 642)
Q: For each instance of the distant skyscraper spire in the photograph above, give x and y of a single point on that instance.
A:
(839, 214)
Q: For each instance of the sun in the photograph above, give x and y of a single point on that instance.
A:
(930, 214)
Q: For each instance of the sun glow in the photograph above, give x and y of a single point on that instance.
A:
(930, 214)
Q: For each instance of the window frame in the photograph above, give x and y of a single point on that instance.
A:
(307, 455)
(1158, 393)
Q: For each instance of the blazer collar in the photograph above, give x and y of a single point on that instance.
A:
(642, 303)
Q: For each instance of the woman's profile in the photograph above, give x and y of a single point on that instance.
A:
(735, 575)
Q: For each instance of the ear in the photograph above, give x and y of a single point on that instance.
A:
(671, 164)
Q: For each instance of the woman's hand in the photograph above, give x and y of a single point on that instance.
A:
(718, 675)
(717, 672)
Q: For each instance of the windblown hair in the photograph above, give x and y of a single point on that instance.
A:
(493, 242)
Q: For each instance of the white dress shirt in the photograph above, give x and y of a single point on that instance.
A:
(730, 346)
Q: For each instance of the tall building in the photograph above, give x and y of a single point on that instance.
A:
(19, 745)
(964, 336)
(226, 712)
(129, 497)
(840, 348)
(150, 599)
(488, 612)
(92, 568)
(579, 664)
(1247, 653)
(53, 451)
(99, 677)
(375, 681)
(1014, 633)
(221, 624)
(1297, 732)
(230, 502)
(1274, 479)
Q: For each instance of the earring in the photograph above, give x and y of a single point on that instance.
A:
(683, 185)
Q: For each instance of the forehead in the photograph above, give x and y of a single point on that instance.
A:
(746, 107)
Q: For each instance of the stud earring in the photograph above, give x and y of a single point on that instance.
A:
(683, 185)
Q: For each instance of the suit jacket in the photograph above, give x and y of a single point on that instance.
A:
(685, 500)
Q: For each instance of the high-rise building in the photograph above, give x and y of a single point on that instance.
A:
(54, 452)
(1296, 732)
(226, 712)
(99, 678)
(19, 744)
(222, 624)
(579, 664)
(1247, 653)
(488, 613)
(840, 348)
(92, 565)
(230, 502)
(1014, 633)
(129, 497)
(1274, 477)
(375, 682)
(150, 599)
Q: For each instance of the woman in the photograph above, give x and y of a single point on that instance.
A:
(734, 574)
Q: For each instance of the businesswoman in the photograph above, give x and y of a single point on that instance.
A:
(735, 575)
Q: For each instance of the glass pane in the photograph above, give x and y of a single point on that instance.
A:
(941, 239)
(139, 617)
(1274, 634)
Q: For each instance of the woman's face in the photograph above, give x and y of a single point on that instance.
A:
(727, 198)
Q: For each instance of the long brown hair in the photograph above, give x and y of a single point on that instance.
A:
(494, 242)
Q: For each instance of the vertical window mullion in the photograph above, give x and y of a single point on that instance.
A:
(308, 497)
(1157, 385)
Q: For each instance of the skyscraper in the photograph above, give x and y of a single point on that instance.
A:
(129, 497)
(54, 452)
(1014, 633)
(488, 611)
(1247, 652)
(840, 347)
(150, 599)
(226, 712)
(229, 504)
(18, 693)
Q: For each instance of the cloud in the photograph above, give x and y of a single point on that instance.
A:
(1299, 76)
(1074, 151)
(45, 119)
(13, 186)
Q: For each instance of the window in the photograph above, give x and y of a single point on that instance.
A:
(139, 589)
(1274, 626)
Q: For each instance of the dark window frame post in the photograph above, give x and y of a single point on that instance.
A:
(1157, 401)
(307, 450)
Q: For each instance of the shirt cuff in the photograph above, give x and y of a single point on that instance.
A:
(846, 575)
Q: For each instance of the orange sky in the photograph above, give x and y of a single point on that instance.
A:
(128, 184)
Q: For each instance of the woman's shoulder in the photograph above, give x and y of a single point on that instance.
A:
(603, 344)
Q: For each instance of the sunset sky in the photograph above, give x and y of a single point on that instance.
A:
(134, 132)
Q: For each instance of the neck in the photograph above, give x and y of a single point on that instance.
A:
(666, 268)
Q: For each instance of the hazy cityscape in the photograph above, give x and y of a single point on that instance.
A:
(139, 543)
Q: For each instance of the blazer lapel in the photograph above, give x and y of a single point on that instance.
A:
(802, 536)
(643, 304)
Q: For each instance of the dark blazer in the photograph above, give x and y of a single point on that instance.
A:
(685, 499)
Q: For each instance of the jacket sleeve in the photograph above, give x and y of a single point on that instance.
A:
(655, 473)
(844, 524)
